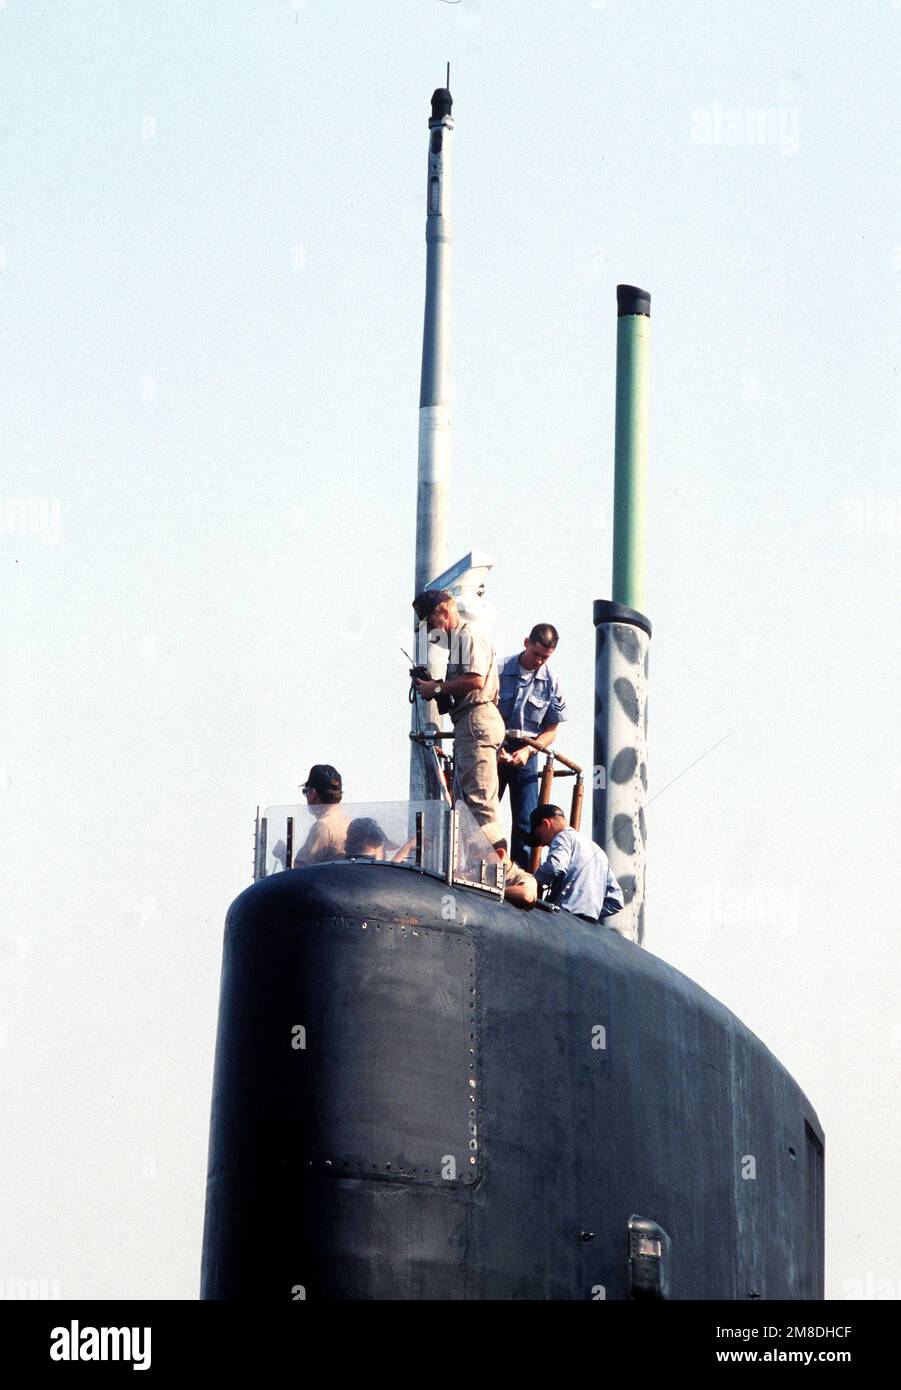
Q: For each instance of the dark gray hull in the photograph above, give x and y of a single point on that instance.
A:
(480, 1105)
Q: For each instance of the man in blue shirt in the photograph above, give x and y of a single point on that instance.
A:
(575, 869)
(531, 702)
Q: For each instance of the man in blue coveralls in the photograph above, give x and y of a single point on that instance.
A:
(531, 702)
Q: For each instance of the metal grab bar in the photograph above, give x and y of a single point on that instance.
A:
(573, 768)
(548, 773)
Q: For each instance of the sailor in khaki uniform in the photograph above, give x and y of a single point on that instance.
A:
(329, 830)
(520, 887)
(471, 685)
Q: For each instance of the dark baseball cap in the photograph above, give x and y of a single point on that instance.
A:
(425, 603)
(547, 811)
(323, 778)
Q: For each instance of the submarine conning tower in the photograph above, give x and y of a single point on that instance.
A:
(422, 1091)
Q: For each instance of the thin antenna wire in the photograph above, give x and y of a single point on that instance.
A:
(447, 83)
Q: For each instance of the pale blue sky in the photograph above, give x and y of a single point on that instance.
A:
(212, 274)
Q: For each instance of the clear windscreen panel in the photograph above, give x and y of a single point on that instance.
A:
(475, 861)
(415, 833)
(426, 835)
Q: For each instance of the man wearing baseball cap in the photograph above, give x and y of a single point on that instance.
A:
(328, 832)
(575, 869)
(471, 685)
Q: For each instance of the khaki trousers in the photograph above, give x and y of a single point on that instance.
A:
(478, 734)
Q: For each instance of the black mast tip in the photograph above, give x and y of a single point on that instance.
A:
(442, 103)
(631, 300)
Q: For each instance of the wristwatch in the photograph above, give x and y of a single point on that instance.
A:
(439, 686)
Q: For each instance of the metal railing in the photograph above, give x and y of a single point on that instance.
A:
(567, 768)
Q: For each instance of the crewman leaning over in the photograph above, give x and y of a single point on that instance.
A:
(531, 702)
(323, 790)
(575, 870)
(471, 684)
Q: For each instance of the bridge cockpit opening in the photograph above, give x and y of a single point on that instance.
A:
(429, 837)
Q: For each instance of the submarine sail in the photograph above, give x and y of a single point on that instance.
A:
(423, 1091)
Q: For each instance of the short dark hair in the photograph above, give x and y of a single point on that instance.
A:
(500, 844)
(545, 633)
(430, 599)
(363, 834)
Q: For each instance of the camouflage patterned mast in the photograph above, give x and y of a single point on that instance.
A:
(622, 632)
